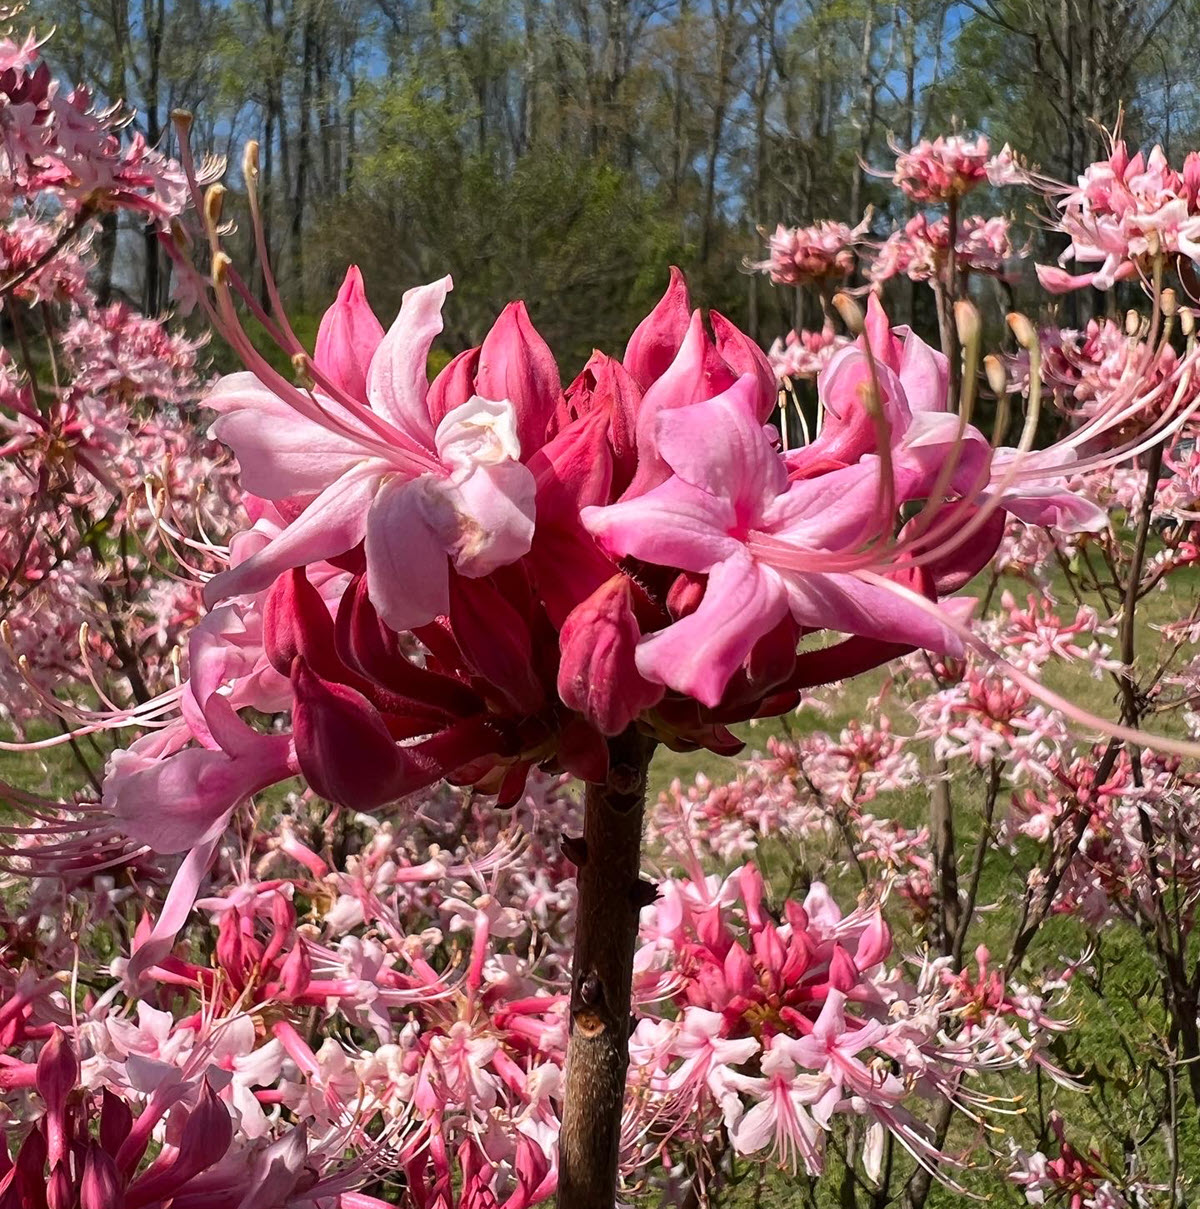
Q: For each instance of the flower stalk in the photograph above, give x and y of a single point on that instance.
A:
(611, 896)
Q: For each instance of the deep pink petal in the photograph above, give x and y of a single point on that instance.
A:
(348, 337)
(696, 373)
(833, 511)
(743, 356)
(516, 364)
(656, 340)
(720, 446)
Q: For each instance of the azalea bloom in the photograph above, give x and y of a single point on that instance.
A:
(1123, 212)
(420, 491)
(730, 513)
(945, 167)
(821, 252)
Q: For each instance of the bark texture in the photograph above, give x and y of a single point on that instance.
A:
(611, 894)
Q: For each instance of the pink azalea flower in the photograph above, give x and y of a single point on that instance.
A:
(420, 493)
(729, 512)
(782, 1119)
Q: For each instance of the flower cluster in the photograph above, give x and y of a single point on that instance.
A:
(804, 354)
(920, 250)
(948, 167)
(1124, 212)
(54, 141)
(821, 253)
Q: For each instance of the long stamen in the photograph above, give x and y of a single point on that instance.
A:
(1081, 717)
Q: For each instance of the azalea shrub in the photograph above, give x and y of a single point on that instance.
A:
(713, 773)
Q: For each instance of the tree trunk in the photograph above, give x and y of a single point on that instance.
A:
(611, 894)
(866, 116)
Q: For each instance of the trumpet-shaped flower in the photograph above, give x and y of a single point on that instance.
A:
(729, 512)
(420, 494)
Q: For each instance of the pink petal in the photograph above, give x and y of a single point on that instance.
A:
(175, 910)
(696, 373)
(398, 380)
(407, 569)
(743, 356)
(183, 800)
(698, 654)
(830, 512)
(332, 524)
(675, 525)
(756, 1129)
(720, 445)
(280, 453)
(852, 606)
(924, 374)
(493, 518)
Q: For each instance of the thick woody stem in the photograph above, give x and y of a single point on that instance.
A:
(611, 894)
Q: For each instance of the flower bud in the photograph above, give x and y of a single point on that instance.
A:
(296, 622)
(686, 593)
(296, 972)
(348, 337)
(874, 944)
(597, 674)
(516, 364)
(57, 1071)
(843, 973)
(116, 1120)
(60, 1193)
(343, 747)
(101, 1184)
(656, 340)
(454, 386)
(495, 639)
(743, 356)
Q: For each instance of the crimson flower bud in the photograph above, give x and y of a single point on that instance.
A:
(296, 972)
(116, 1120)
(207, 1135)
(686, 593)
(343, 746)
(453, 386)
(656, 340)
(597, 674)
(743, 356)
(496, 641)
(516, 364)
(57, 1071)
(101, 1184)
(60, 1193)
